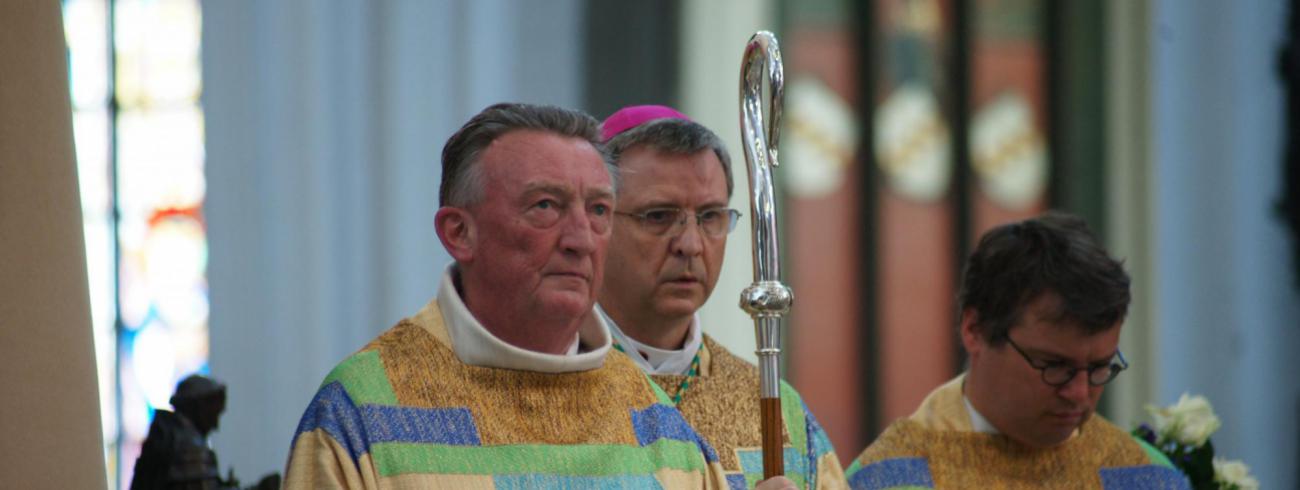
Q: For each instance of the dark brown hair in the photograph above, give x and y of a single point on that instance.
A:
(672, 136)
(1015, 264)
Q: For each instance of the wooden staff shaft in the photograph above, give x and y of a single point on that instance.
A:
(773, 465)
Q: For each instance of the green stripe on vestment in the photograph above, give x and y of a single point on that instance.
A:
(792, 416)
(393, 459)
(364, 378)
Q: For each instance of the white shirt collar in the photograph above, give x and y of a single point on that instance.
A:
(476, 346)
(654, 360)
(977, 422)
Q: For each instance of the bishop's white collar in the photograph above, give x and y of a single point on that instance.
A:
(654, 360)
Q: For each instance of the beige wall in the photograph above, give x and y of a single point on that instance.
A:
(714, 33)
(50, 433)
(1129, 213)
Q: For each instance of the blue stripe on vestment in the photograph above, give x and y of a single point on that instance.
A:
(332, 410)
(528, 482)
(1147, 477)
(897, 472)
(660, 421)
(737, 482)
(818, 445)
(450, 426)
(356, 428)
(751, 461)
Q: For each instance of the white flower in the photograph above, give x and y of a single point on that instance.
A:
(1191, 421)
(1234, 474)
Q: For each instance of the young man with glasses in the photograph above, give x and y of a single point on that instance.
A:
(669, 235)
(1042, 305)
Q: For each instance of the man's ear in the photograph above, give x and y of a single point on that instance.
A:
(970, 334)
(457, 233)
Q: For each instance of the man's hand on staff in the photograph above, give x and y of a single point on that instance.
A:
(776, 483)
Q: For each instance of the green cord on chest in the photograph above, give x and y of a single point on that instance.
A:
(686, 383)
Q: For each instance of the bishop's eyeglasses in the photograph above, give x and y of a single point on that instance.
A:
(714, 222)
(1058, 374)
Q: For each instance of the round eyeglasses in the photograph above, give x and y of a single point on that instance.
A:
(1058, 374)
(714, 222)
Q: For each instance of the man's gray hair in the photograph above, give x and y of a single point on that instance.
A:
(462, 177)
(674, 136)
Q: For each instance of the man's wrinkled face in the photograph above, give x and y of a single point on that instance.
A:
(542, 226)
(664, 277)
(1015, 398)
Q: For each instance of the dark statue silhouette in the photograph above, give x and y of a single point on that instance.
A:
(176, 455)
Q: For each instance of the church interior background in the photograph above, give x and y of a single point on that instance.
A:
(258, 183)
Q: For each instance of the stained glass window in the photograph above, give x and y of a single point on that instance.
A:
(135, 82)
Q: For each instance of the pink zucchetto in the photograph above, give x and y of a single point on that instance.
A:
(633, 116)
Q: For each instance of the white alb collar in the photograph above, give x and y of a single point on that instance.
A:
(977, 422)
(476, 346)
